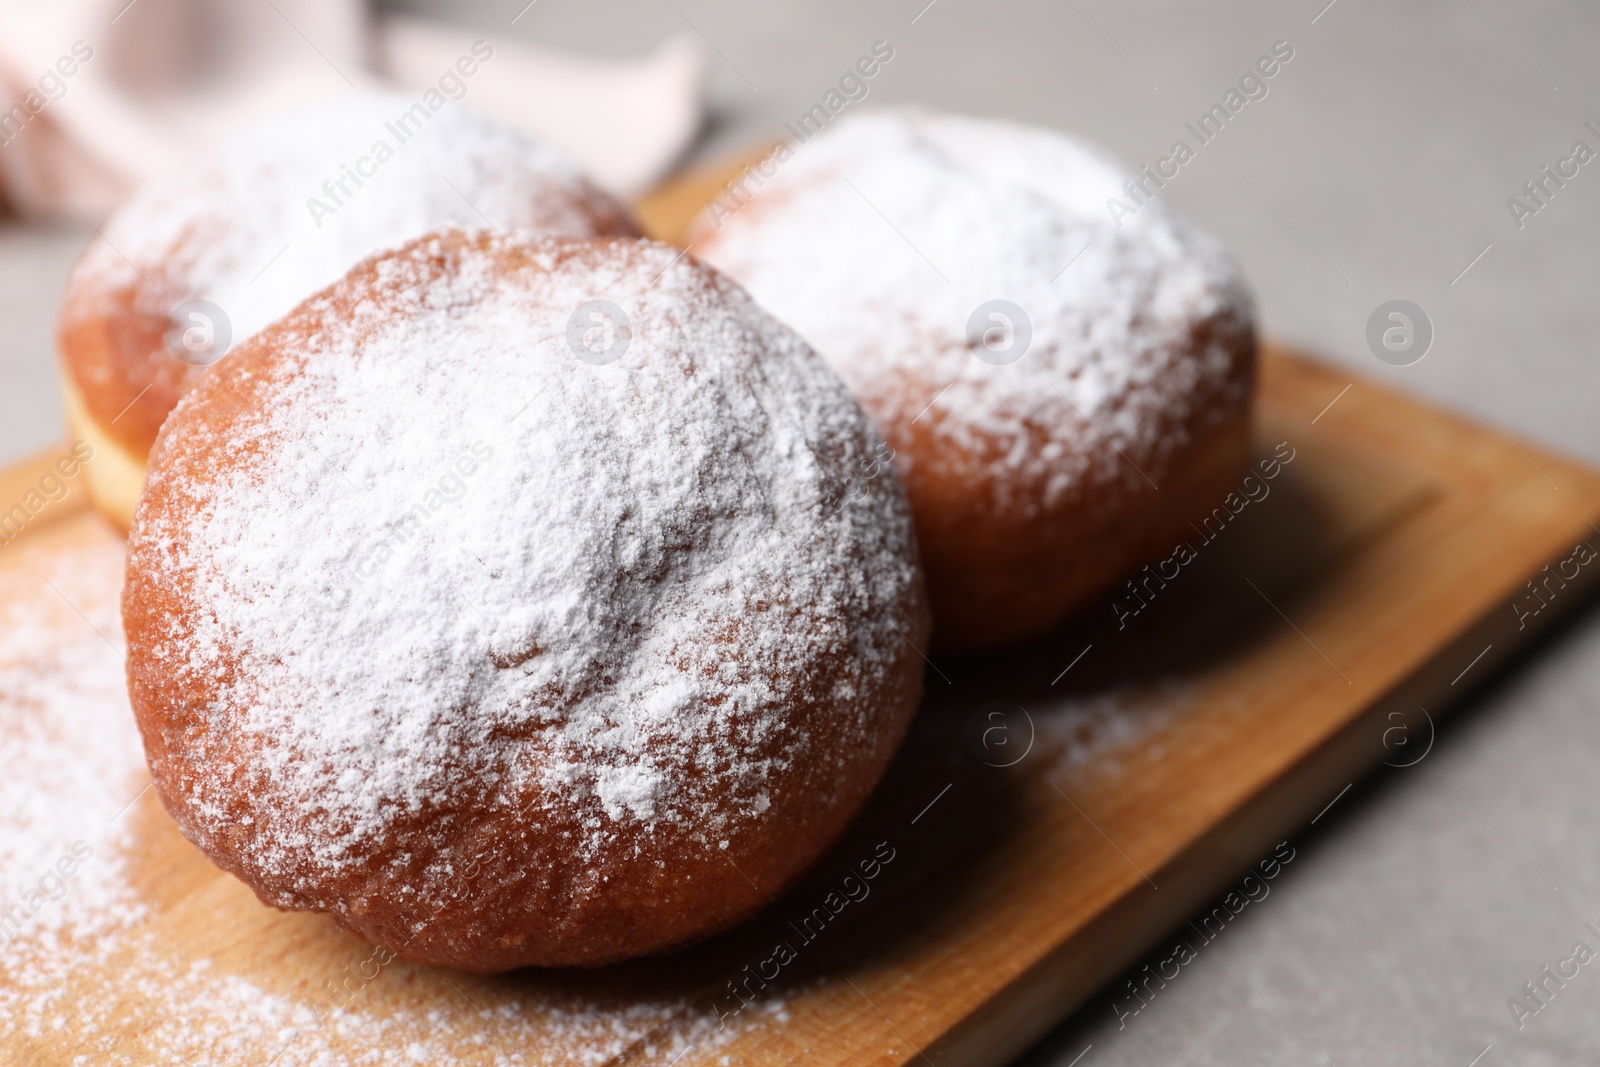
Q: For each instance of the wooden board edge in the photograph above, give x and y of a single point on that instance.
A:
(36, 493)
(1072, 974)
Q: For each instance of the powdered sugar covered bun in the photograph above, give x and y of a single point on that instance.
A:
(276, 213)
(1039, 366)
(511, 628)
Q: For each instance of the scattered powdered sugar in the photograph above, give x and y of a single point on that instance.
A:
(285, 207)
(92, 974)
(70, 750)
(1090, 734)
(92, 978)
(882, 239)
(445, 565)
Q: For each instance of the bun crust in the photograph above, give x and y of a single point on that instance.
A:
(647, 651)
(1065, 387)
(262, 225)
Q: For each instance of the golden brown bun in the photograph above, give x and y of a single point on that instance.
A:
(116, 477)
(499, 865)
(1001, 566)
(236, 230)
(1065, 386)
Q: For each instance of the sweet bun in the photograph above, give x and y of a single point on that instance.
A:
(522, 601)
(211, 253)
(1066, 382)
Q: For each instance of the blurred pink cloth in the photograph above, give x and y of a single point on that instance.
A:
(97, 95)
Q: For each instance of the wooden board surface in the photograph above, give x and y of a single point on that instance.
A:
(1058, 808)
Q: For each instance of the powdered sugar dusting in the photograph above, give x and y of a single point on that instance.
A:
(1091, 734)
(461, 570)
(95, 975)
(280, 210)
(70, 749)
(880, 239)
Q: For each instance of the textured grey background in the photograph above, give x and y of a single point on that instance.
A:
(1378, 167)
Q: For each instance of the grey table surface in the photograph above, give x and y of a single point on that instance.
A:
(1378, 166)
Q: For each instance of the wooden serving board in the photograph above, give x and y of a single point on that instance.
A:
(1058, 808)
